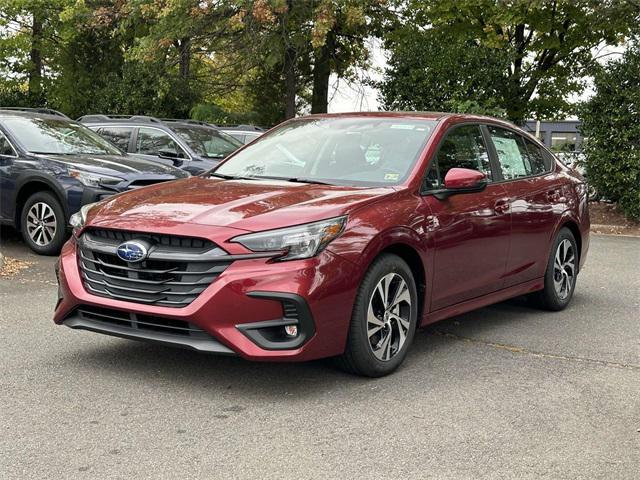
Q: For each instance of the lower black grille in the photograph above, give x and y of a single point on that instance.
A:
(176, 271)
(136, 326)
(137, 321)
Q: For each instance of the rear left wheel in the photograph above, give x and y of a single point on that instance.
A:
(562, 271)
(384, 319)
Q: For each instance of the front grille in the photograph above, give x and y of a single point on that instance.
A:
(116, 237)
(141, 323)
(176, 271)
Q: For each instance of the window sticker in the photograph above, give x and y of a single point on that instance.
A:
(393, 177)
(402, 126)
(510, 157)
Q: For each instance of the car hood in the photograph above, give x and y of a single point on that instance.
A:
(123, 166)
(250, 205)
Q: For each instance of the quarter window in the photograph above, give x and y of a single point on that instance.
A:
(463, 147)
(536, 158)
(5, 147)
(119, 136)
(151, 142)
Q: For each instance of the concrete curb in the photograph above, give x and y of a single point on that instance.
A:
(1, 260)
(614, 230)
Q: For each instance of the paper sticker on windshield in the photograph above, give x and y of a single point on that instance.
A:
(402, 126)
(392, 176)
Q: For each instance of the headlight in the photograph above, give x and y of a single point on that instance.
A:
(302, 241)
(93, 179)
(77, 219)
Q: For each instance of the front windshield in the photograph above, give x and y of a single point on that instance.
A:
(207, 142)
(57, 136)
(365, 151)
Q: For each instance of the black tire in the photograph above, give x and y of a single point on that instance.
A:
(550, 298)
(45, 244)
(359, 357)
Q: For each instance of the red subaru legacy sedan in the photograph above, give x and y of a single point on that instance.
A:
(331, 236)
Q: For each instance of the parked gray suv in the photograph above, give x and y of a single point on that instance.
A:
(191, 145)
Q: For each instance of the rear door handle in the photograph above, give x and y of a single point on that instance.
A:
(553, 195)
(502, 206)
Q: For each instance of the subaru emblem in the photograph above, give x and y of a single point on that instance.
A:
(132, 251)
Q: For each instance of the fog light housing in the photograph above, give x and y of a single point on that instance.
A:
(291, 330)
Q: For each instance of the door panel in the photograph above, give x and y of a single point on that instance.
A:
(472, 243)
(472, 230)
(8, 156)
(536, 202)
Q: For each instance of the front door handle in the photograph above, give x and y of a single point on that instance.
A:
(502, 206)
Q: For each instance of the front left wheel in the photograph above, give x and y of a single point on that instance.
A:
(383, 321)
(42, 223)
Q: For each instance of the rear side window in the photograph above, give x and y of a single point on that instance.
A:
(119, 136)
(463, 147)
(518, 158)
(151, 142)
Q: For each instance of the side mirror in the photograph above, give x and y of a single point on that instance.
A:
(169, 154)
(461, 180)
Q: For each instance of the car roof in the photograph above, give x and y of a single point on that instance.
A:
(437, 116)
(32, 112)
(142, 120)
(242, 128)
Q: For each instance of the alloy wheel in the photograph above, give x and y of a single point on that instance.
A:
(388, 316)
(41, 223)
(564, 269)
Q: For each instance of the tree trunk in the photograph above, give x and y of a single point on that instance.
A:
(290, 79)
(290, 82)
(321, 75)
(35, 55)
(516, 107)
(184, 46)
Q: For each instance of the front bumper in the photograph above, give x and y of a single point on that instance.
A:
(242, 312)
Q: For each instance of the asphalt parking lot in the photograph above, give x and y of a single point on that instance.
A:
(504, 392)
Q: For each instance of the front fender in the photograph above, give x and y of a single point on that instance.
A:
(32, 176)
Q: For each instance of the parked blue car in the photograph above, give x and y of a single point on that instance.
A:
(51, 166)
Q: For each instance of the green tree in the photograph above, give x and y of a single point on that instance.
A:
(611, 124)
(429, 71)
(537, 51)
(28, 49)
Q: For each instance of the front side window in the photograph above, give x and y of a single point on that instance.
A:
(119, 136)
(151, 141)
(335, 150)
(517, 159)
(207, 142)
(463, 147)
(57, 136)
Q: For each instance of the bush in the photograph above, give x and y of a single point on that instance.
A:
(611, 122)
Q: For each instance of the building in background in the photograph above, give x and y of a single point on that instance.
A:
(560, 135)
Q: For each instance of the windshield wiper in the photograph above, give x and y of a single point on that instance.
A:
(230, 177)
(299, 180)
